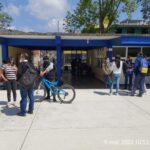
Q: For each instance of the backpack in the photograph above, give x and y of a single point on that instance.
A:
(29, 77)
(143, 66)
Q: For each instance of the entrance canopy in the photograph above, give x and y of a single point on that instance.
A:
(76, 42)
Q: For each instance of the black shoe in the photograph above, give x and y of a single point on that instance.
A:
(54, 100)
(21, 114)
(140, 95)
(30, 112)
(48, 97)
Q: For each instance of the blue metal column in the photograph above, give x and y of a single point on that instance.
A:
(4, 52)
(59, 57)
(110, 53)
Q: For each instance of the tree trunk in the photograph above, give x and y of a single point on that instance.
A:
(101, 26)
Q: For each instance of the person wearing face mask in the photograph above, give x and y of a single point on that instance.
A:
(48, 71)
(10, 71)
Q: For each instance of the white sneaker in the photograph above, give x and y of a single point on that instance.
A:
(117, 94)
(14, 104)
(8, 104)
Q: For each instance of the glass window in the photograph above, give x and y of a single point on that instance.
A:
(119, 51)
(133, 51)
(146, 51)
(131, 30)
(119, 31)
(145, 31)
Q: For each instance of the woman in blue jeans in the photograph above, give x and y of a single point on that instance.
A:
(116, 69)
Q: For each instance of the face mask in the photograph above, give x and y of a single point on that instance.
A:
(107, 60)
(21, 60)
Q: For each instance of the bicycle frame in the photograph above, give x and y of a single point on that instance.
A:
(48, 84)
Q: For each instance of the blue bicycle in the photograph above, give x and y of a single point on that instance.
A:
(65, 92)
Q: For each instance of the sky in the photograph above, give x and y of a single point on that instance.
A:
(42, 15)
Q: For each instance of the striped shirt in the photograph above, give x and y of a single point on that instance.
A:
(10, 72)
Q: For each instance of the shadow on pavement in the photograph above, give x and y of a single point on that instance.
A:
(124, 93)
(121, 93)
(10, 111)
(101, 93)
(3, 102)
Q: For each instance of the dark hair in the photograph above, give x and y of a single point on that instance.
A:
(129, 57)
(45, 58)
(140, 53)
(11, 60)
(117, 61)
(24, 56)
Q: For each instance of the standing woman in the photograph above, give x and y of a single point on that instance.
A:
(10, 71)
(116, 69)
(106, 67)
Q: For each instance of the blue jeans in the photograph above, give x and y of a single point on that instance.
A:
(128, 81)
(138, 83)
(23, 103)
(115, 80)
(107, 81)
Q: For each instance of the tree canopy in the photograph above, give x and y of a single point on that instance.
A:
(145, 9)
(92, 16)
(5, 19)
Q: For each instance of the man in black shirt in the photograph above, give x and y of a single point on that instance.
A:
(48, 71)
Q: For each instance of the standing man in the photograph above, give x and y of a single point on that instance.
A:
(128, 73)
(141, 70)
(25, 91)
(48, 70)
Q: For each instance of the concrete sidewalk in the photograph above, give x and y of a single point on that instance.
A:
(94, 121)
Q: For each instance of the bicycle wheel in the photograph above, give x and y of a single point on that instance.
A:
(40, 92)
(66, 93)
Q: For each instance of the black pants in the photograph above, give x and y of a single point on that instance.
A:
(52, 79)
(11, 85)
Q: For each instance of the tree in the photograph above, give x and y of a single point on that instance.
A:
(5, 19)
(145, 9)
(102, 13)
(84, 17)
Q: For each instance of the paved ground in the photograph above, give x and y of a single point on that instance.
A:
(94, 121)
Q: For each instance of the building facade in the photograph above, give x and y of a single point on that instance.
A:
(97, 47)
(131, 27)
